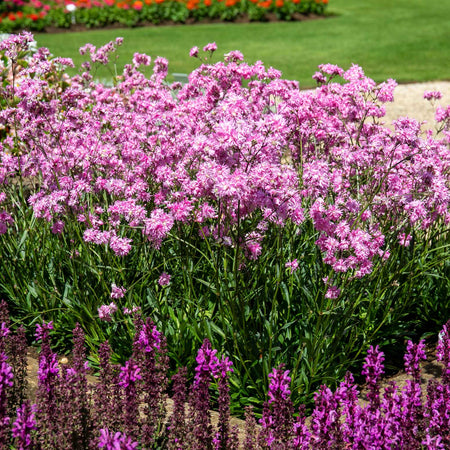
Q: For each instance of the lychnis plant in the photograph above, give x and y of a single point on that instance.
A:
(285, 226)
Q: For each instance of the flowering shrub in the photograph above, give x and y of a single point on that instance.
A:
(36, 15)
(286, 226)
(126, 408)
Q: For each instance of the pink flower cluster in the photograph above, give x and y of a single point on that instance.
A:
(232, 153)
(105, 312)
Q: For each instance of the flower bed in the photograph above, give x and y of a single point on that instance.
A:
(126, 408)
(285, 226)
(37, 15)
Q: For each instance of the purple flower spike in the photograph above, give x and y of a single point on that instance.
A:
(414, 354)
(129, 374)
(115, 441)
(279, 384)
(277, 418)
(207, 362)
(42, 331)
(373, 369)
(443, 352)
(24, 424)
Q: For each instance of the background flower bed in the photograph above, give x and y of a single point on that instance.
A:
(36, 15)
(286, 226)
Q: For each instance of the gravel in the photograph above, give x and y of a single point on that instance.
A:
(409, 102)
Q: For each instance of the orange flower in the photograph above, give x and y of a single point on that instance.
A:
(137, 5)
(19, 14)
(265, 4)
(296, 1)
(208, 3)
(33, 17)
(148, 2)
(159, 1)
(229, 3)
(11, 17)
(279, 3)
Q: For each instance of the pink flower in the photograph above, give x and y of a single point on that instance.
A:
(193, 52)
(58, 227)
(404, 239)
(164, 279)
(293, 265)
(117, 291)
(211, 47)
(432, 95)
(234, 56)
(332, 292)
(128, 311)
(105, 312)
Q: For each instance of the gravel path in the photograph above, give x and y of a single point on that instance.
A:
(409, 102)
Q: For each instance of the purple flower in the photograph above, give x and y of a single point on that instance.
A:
(140, 59)
(129, 374)
(149, 338)
(58, 227)
(234, 56)
(43, 330)
(279, 384)
(333, 292)
(24, 424)
(4, 330)
(373, 369)
(414, 354)
(6, 374)
(115, 441)
(207, 362)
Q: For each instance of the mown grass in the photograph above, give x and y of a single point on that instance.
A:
(406, 40)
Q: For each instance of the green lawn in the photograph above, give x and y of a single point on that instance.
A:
(408, 40)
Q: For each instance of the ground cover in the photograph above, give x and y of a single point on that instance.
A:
(405, 40)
